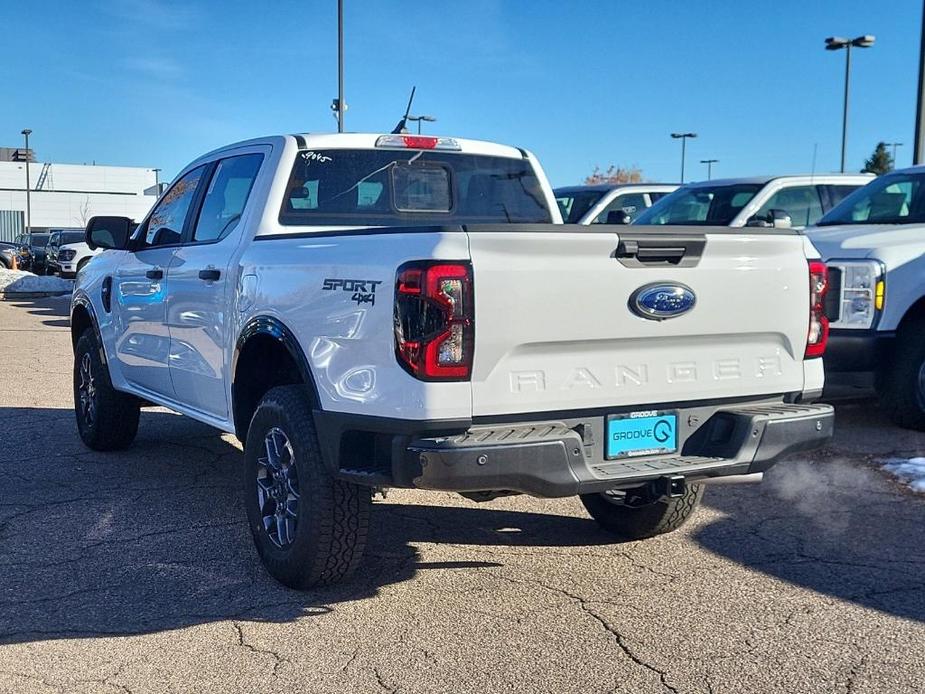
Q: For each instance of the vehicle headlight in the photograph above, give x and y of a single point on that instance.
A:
(859, 292)
(67, 254)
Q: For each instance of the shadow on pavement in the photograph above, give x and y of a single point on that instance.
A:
(54, 311)
(831, 526)
(154, 538)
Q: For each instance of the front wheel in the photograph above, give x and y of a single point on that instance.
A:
(902, 385)
(107, 419)
(309, 528)
(648, 520)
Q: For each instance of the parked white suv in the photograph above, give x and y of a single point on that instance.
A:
(874, 245)
(609, 203)
(759, 201)
(368, 311)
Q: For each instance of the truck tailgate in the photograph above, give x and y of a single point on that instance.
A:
(555, 330)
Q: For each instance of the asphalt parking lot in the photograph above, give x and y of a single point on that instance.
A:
(134, 572)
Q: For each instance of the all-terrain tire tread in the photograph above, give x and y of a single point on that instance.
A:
(898, 387)
(638, 523)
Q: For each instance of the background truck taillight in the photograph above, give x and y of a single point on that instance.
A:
(434, 321)
(818, 323)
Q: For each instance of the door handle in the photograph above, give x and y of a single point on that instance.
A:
(209, 275)
(155, 274)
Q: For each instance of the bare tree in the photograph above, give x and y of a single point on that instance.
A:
(615, 174)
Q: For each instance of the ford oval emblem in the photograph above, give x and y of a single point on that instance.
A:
(662, 300)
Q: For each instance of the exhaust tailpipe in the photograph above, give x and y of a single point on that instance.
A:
(734, 479)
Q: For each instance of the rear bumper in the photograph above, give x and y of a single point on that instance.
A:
(566, 457)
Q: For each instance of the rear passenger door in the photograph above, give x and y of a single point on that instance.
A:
(202, 282)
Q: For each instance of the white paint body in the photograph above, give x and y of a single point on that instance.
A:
(552, 327)
(82, 252)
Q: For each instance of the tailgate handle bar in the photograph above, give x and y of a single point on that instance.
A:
(652, 250)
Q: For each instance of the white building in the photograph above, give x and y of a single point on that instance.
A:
(67, 195)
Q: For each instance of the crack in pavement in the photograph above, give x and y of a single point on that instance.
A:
(278, 660)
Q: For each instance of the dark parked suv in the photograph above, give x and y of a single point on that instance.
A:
(36, 243)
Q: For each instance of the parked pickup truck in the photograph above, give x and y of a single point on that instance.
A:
(874, 246)
(608, 203)
(372, 311)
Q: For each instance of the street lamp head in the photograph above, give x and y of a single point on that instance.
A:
(834, 43)
(26, 131)
(678, 136)
(865, 41)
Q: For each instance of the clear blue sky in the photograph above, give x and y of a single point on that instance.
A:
(156, 83)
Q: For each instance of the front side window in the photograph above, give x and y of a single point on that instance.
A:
(633, 204)
(892, 199)
(802, 203)
(410, 188)
(575, 205)
(228, 192)
(701, 205)
(165, 225)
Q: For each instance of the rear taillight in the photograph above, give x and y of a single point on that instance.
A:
(434, 320)
(818, 334)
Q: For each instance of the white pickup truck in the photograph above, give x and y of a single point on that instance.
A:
(371, 311)
(874, 246)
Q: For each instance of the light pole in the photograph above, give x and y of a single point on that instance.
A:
(26, 132)
(894, 145)
(683, 137)
(836, 43)
(709, 163)
(428, 119)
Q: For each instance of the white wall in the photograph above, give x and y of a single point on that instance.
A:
(72, 193)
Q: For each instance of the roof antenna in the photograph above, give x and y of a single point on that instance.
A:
(402, 126)
(812, 174)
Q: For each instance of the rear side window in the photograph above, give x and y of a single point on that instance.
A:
(226, 197)
(410, 188)
(633, 204)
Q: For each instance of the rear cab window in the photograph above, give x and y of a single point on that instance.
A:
(352, 187)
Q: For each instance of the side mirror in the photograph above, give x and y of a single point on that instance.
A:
(780, 219)
(109, 232)
(618, 217)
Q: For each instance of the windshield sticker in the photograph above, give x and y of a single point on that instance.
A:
(311, 156)
(364, 291)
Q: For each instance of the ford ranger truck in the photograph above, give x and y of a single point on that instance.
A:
(374, 311)
(874, 246)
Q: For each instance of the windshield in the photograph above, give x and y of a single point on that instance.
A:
(71, 237)
(575, 205)
(410, 188)
(39, 240)
(701, 205)
(893, 199)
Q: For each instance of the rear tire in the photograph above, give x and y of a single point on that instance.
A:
(107, 419)
(310, 529)
(641, 522)
(902, 386)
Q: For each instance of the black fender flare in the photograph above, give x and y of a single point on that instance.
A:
(273, 327)
(81, 300)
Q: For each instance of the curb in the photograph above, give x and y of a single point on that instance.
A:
(13, 296)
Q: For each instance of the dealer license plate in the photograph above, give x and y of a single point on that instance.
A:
(636, 434)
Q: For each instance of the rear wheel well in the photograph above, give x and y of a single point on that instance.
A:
(263, 362)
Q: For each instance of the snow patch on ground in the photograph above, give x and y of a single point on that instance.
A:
(908, 470)
(17, 281)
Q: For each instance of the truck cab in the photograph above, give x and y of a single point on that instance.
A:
(874, 246)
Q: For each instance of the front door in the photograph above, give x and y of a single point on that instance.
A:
(202, 286)
(141, 290)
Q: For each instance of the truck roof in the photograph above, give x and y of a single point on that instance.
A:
(368, 141)
(764, 180)
(611, 186)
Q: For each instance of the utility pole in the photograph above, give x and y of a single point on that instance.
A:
(918, 153)
(341, 105)
(26, 132)
(709, 163)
